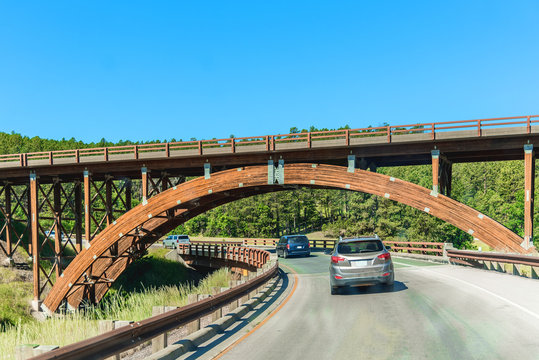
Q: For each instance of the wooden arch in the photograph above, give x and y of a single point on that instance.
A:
(92, 272)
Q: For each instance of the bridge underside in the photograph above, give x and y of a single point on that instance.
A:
(92, 272)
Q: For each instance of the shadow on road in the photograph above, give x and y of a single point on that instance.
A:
(373, 289)
(264, 305)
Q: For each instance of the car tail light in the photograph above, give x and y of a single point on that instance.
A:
(336, 259)
(288, 246)
(386, 274)
(384, 257)
(338, 277)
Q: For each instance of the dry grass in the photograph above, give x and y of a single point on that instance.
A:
(84, 324)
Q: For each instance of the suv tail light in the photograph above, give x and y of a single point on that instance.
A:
(336, 259)
(384, 257)
(288, 246)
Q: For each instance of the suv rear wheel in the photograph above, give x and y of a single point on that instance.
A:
(285, 254)
(334, 290)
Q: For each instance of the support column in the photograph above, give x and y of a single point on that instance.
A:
(34, 231)
(128, 194)
(108, 200)
(78, 216)
(7, 209)
(87, 207)
(144, 171)
(57, 203)
(529, 188)
(435, 170)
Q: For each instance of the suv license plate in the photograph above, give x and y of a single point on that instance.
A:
(359, 263)
(299, 247)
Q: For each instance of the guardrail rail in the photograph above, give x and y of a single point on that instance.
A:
(132, 335)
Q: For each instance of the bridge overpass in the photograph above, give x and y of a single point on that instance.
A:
(84, 192)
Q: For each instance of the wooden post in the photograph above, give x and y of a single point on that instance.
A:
(34, 228)
(193, 325)
(108, 199)
(7, 209)
(78, 216)
(435, 170)
(144, 171)
(57, 204)
(529, 188)
(87, 206)
(161, 341)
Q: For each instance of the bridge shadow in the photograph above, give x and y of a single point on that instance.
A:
(373, 289)
(242, 323)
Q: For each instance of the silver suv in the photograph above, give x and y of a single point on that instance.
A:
(360, 261)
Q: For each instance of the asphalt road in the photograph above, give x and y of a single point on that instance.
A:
(434, 312)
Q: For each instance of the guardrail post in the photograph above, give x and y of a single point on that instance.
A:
(217, 314)
(232, 145)
(26, 351)
(388, 134)
(106, 153)
(534, 272)
(106, 326)
(200, 147)
(160, 342)
(447, 246)
(193, 325)
(516, 270)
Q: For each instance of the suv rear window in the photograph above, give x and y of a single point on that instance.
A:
(356, 247)
(183, 237)
(298, 239)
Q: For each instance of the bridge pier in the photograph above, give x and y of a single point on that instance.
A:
(529, 189)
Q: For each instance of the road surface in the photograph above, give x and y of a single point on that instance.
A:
(434, 312)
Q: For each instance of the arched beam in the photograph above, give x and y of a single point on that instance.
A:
(139, 226)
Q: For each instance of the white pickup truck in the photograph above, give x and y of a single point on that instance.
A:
(172, 241)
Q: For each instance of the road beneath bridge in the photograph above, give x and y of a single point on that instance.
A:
(434, 312)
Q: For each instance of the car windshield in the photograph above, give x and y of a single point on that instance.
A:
(356, 247)
(298, 239)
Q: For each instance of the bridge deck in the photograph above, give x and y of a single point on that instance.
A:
(491, 144)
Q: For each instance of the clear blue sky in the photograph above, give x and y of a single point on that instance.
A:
(143, 70)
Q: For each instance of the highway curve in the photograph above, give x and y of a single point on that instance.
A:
(434, 312)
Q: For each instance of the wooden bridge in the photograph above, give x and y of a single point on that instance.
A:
(88, 196)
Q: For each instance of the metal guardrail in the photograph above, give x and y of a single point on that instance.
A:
(461, 256)
(270, 142)
(127, 337)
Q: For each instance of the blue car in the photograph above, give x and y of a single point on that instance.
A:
(290, 245)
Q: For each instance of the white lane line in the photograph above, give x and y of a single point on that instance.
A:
(527, 311)
(403, 264)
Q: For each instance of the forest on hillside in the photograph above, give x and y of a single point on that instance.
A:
(495, 188)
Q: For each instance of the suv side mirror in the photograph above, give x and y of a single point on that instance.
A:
(388, 248)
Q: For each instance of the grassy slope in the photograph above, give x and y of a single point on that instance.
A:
(159, 282)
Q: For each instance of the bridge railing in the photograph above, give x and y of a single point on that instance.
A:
(410, 247)
(342, 137)
(132, 335)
